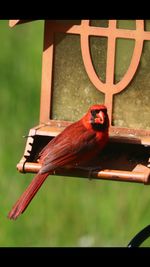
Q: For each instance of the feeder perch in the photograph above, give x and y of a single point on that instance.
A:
(126, 157)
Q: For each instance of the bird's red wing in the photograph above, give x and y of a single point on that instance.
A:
(67, 147)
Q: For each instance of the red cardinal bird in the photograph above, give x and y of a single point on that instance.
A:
(76, 145)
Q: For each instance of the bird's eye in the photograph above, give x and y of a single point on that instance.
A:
(93, 112)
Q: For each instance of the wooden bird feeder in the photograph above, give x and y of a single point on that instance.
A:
(126, 157)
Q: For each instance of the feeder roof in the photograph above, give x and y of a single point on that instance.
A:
(14, 22)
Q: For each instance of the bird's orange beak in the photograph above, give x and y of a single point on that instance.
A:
(100, 118)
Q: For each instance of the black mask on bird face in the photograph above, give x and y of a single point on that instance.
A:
(99, 118)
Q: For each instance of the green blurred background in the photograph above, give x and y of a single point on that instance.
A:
(66, 211)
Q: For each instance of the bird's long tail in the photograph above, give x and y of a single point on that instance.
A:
(27, 196)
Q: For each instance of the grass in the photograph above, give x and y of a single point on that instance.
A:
(66, 211)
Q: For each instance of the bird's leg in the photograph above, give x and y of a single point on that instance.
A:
(88, 168)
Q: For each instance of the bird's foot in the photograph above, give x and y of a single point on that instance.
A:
(90, 170)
